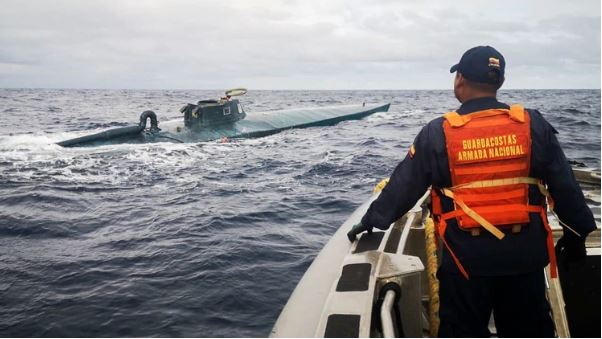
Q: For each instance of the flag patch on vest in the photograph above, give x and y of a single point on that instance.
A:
(412, 151)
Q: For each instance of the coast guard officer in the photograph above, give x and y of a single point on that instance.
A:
(492, 168)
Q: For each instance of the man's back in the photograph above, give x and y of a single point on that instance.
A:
(485, 254)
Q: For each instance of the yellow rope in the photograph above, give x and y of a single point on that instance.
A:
(431, 270)
(381, 185)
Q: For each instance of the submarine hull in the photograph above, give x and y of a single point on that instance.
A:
(255, 125)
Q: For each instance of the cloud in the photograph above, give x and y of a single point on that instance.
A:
(331, 44)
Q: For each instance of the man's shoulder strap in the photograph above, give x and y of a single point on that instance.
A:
(516, 113)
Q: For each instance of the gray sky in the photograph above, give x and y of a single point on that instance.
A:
(325, 44)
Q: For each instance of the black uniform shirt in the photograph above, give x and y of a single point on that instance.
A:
(485, 255)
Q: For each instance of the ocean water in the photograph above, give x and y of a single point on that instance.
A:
(204, 239)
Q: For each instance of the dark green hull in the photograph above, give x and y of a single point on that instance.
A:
(255, 125)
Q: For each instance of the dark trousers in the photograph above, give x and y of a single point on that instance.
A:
(518, 302)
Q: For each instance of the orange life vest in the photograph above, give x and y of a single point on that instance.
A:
(489, 158)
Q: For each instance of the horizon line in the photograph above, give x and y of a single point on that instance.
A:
(288, 89)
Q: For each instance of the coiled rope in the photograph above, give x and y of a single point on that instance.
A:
(431, 270)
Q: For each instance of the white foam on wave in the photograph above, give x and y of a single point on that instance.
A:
(28, 156)
(35, 156)
(31, 156)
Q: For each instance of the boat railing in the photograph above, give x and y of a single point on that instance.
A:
(386, 315)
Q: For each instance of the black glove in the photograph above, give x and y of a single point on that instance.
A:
(572, 247)
(357, 229)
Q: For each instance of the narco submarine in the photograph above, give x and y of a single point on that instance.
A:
(224, 118)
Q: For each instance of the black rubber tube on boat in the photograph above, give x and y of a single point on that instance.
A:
(153, 118)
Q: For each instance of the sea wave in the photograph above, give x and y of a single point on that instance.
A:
(199, 239)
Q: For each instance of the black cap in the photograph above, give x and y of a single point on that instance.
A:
(477, 62)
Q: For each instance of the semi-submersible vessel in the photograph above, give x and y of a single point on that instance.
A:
(224, 118)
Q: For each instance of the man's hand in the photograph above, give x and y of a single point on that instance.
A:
(571, 247)
(357, 229)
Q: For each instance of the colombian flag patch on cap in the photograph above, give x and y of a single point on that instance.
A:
(494, 62)
(412, 151)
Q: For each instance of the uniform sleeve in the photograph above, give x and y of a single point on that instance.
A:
(408, 182)
(569, 202)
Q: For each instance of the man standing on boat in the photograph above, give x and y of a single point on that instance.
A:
(489, 164)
